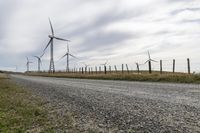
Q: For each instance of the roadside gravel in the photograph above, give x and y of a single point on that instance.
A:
(120, 106)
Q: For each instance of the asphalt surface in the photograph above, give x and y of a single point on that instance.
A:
(122, 106)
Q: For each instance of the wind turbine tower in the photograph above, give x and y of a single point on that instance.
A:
(27, 64)
(39, 61)
(149, 62)
(68, 54)
(104, 66)
(52, 37)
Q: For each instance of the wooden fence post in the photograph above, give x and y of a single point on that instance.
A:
(89, 70)
(99, 69)
(173, 65)
(138, 68)
(115, 68)
(122, 68)
(82, 70)
(160, 66)
(127, 68)
(105, 71)
(96, 69)
(188, 65)
(85, 69)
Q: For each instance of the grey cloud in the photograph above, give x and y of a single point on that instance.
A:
(175, 12)
(175, 1)
(6, 9)
(162, 32)
(105, 19)
(191, 21)
(104, 41)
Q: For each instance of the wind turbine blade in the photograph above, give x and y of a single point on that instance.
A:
(51, 27)
(153, 60)
(63, 56)
(146, 61)
(61, 39)
(67, 48)
(106, 62)
(73, 56)
(149, 55)
(47, 44)
(42, 54)
(36, 57)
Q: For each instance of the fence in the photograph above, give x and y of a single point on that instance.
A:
(162, 66)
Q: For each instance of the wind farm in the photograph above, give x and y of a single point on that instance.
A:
(52, 37)
(125, 72)
(100, 66)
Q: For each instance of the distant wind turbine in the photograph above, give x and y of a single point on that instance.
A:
(68, 54)
(52, 37)
(104, 64)
(86, 65)
(27, 64)
(39, 61)
(149, 62)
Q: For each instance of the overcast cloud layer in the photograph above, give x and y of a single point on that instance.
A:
(120, 31)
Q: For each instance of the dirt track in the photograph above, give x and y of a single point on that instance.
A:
(120, 106)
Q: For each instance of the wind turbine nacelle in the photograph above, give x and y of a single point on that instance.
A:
(50, 36)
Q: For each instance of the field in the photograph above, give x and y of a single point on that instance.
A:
(131, 76)
(20, 111)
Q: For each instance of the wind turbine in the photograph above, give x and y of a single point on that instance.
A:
(68, 55)
(52, 37)
(39, 61)
(27, 64)
(149, 62)
(86, 65)
(104, 64)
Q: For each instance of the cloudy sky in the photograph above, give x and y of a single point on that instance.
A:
(117, 31)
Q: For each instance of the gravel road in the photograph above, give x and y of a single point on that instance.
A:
(120, 106)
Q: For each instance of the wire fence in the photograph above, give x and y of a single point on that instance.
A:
(162, 66)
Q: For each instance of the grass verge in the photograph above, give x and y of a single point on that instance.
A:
(155, 77)
(21, 112)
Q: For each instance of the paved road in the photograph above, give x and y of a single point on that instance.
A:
(122, 106)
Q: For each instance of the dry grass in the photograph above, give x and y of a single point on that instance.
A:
(21, 112)
(131, 76)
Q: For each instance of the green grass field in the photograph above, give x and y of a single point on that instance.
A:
(132, 76)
